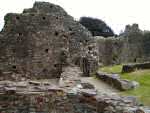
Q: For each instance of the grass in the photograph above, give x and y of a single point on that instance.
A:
(112, 69)
(141, 76)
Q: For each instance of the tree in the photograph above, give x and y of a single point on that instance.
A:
(96, 26)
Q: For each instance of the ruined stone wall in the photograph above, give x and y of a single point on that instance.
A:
(110, 50)
(122, 50)
(71, 95)
(57, 101)
(39, 42)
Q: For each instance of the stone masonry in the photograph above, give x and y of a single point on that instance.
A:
(45, 42)
(44, 97)
(40, 41)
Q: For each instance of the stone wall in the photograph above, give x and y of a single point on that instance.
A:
(115, 81)
(122, 50)
(130, 46)
(50, 99)
(110, 50)
(69, 96)
(136, 66)
(56, 100)
(40, 41)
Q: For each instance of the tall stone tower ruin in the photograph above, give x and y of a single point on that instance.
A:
(40, 41)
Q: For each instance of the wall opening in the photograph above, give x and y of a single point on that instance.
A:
(44, 18)
(90, 48)
(85, 66)
(135, 59)
(46, 50)
(20, 34)
(55, 65)
(51, 6)
(17, 17)
(45, 70)
(70, 29)
(56, 33)
(14, 67)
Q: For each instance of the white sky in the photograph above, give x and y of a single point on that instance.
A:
(116, 13)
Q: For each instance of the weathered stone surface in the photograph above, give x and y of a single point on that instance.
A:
(115, 81)
(133, 49)
(58, 100)
(40, 41)
(132, 67)
(70, 77)
(44, 97)
(110, 50)
(87, 85)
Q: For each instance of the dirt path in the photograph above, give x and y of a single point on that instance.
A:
(100, 85)
(71, 76)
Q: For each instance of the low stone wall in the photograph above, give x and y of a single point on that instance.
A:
(132, 67)
(115, 81)
(68, 96)
(57, 100)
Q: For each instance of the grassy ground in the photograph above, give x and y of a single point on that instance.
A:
(141, 76)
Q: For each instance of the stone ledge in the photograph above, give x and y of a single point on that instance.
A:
(115, 81)
(132, 67)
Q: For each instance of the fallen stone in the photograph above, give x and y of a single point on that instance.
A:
(88, 92)
(125, 84)
(135, 84)
(87, 85)
(117, 82)
(22, 84)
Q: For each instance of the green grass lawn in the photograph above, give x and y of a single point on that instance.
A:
(141, 76)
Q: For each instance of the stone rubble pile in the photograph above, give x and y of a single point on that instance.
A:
(35, 99)
(44, 97)
(115, 81)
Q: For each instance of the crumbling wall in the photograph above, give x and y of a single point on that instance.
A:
(39, 42)
(122, 50)
(110, 50)
(71, 95)
(58, 101)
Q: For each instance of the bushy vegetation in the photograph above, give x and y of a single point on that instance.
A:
(96, 26)
(141, 76)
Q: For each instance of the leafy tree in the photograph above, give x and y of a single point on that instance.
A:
(96, 26)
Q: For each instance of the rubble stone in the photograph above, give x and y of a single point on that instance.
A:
(115, 81)
(54, 99)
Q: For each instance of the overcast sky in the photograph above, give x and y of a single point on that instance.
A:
(116, 13)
